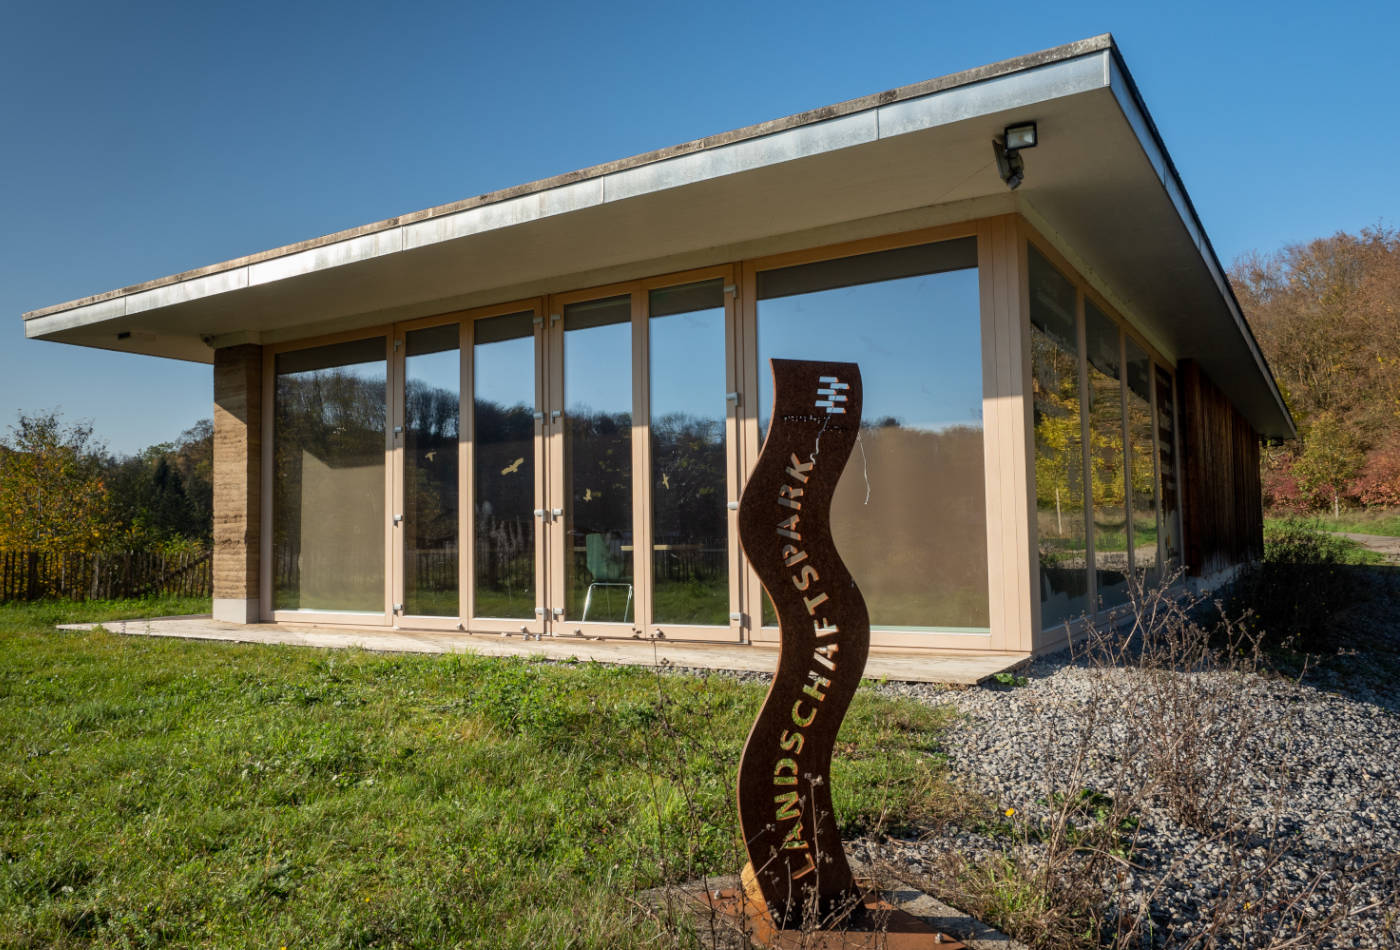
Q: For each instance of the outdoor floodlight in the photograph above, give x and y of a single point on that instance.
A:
(1007, 149)
(1019, 136)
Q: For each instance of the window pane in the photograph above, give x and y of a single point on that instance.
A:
(432, 418)
(1142, 465)
(1166, 468)
(690, 521)
(909, 515)
(598, 460)
(1106, 465)
(1059, 447)
(329, 411)
(503, 467)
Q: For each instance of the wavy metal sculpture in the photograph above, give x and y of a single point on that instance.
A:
(796, 860)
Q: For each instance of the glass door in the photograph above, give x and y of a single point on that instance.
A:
(507, 520)
(595, 589)
(691, 404)
(330, 479)
(468, 488)
(643, 466)
(427, 557)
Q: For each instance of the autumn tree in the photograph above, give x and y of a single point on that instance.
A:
(1327, 316)
(1331, 458)
(52, 494)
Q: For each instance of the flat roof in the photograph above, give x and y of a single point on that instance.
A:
(1100, 185)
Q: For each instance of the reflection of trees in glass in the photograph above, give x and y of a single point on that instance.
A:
(432, 423)
(1107, 483)
(598, 460)
(1106, 459)
(1059, 478)
(1141, 471)
(337, 418)
(504, 450)
(431, 426)
(688, 471)
(690, 521)
(1059, 465)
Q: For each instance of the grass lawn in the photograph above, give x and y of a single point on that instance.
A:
(162, 792)
(1345, 550)
(1384, 521)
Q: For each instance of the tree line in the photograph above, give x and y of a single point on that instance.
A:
(62, 492)
(1327, 316)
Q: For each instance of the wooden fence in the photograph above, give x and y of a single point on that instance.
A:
(30, 575)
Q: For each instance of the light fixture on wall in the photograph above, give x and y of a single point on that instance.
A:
(1007, 148)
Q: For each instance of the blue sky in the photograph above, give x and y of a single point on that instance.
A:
(142, 139)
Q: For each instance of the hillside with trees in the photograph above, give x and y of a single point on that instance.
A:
(62, 492)
(1327, 315)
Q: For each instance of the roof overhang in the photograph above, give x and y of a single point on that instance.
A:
(1099, 184)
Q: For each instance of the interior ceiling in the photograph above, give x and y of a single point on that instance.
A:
(1088, 183)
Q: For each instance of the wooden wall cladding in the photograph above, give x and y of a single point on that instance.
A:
(1223, 516)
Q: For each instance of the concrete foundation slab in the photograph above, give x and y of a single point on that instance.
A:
(898, 666)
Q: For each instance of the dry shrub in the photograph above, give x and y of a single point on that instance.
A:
(1158, 739)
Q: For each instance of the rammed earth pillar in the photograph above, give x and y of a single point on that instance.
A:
(237, 481)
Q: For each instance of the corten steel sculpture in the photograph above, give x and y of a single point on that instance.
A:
(795, 854)
(798, 879)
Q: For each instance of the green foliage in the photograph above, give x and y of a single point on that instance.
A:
(52, 494)
(164, 494)
(61, 493)
(1330, 459)
(1299, 586)
(160, 792)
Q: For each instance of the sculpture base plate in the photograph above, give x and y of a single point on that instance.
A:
(882, 926)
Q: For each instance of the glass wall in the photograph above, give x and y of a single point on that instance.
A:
(1142, 466)
(503, 465)
(329, 418)
(1106, 459)
(909, 515)
(689, 490)
(1059, 446)
(432, 419)
(598, 461)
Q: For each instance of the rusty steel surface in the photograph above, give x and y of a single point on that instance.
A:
(879, 926)
(784, 787)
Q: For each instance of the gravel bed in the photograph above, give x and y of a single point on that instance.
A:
(1310, 820)
(1312, 801)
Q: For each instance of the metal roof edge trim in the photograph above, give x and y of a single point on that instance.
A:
(1016, 64)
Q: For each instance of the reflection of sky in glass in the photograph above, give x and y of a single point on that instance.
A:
(687, 364)
(597, 369)
(436, 370)
(918, 341)
(504, 372)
